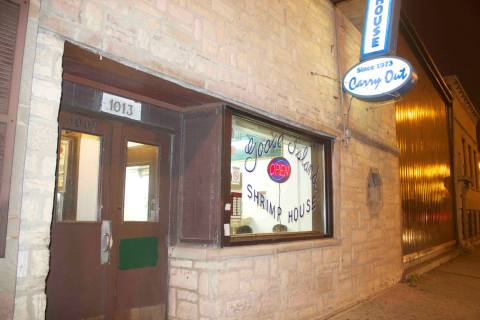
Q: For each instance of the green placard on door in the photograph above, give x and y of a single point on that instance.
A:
(138, 253)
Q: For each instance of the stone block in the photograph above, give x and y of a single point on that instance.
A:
(39, 303)
(21, 309)
(262, 267)
(359, 236)
(331, 255)
(304, 262)
(38, 265)
(184, 278)
(204, 284)
(287, 261)
(209, 308)
(46, 90)
(42, 137)
(181, 15)
(241, 264)
(172, 302)
(44, 110)
(92, 15)
(323, 282)
(176, 263)
(209, 265)
(238, 307)
(261, 284)
(22, 263)
(223, 9)
(228, 283)
(68, 10)
(187, 295)
(187, 310)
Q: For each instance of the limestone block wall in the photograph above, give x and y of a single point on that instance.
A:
(261, 53)
(39, 178)
(282, 58)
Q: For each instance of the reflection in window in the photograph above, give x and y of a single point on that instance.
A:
(277, 180)
(141, 196)
(78, 177)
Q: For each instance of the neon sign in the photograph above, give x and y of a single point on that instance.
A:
(279, 169)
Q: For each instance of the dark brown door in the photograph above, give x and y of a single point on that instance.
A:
(109, 235)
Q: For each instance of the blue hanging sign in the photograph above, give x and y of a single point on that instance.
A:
(279, 169)
(379, 79)
(380, 28)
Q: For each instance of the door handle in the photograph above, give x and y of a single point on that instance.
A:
(106, 241)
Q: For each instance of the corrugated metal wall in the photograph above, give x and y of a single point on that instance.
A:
(422, 136)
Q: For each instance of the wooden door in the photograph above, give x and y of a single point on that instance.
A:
(109, 234)
(140, 221)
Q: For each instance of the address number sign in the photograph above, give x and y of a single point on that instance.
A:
(121, 107)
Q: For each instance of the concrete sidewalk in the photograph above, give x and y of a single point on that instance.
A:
(452, 291)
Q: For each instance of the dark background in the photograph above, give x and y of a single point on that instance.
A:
(451, 32)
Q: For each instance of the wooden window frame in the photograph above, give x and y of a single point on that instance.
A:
(327, 143)
(10, 119)
(471, 167)
(464, 158)
(475, 166)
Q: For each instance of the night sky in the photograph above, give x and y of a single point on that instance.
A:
(451, 33)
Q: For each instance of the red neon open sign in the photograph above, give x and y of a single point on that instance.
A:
(279, 169)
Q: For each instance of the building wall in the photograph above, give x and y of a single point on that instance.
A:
(465, 120)
(423, 138)
(282, 58)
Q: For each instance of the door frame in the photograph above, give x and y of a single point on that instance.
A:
(90, 122)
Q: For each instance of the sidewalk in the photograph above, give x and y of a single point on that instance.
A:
(452, 291)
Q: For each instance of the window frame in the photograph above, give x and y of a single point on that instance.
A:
(264, 238)
(10, 120)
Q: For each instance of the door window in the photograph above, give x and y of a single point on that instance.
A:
(78, 176)
(141, 172)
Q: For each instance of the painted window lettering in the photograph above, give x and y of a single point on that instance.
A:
(281, 177)
(256, 149)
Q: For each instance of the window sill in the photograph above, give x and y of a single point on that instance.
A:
(207, 254)
(264, 238)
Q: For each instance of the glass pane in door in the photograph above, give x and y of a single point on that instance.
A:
(78, 177)
(141, 183)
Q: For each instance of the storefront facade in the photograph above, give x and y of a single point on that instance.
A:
(189, 160)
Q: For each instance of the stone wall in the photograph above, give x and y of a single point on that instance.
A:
(261, 53)
(282, 58)
(39, 178)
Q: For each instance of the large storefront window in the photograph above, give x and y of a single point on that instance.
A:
(277, 181)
